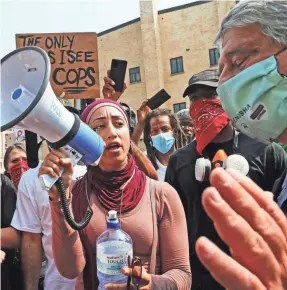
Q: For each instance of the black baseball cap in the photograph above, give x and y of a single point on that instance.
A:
(207, 77)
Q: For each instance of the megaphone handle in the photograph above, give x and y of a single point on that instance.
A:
(48, 181)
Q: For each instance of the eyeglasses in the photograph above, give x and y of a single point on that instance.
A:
(134, 262)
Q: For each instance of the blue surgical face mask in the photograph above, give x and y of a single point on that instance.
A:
(256, 100)
(163, 142)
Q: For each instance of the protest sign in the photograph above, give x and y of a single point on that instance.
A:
(74, 62)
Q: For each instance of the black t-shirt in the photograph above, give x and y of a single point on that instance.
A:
(11, 277)
(8, 201)
(212, 148)
(267, 164)
(206, 227)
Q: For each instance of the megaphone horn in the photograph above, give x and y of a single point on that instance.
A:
(28, 101)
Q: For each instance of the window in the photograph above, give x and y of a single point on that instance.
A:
(135, 75)
(179, 106)
(176, 65)
(213, 56)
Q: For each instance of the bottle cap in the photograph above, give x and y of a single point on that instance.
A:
(112, 215)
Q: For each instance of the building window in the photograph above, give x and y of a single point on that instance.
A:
(176, 65)
(213, 56)
(179, 106)
(135, 75)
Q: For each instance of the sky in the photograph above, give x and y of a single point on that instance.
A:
(43, 16)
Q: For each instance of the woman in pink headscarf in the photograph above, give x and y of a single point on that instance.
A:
(159, 233)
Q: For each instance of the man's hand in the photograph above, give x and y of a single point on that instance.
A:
(108, 90)
(143, 111)
(254, 227)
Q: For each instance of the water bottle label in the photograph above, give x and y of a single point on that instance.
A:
(111, 264)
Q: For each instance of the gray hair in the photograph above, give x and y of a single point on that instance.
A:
(270, 14)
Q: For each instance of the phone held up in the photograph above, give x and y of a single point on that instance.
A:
(158, 99)
(117, 73)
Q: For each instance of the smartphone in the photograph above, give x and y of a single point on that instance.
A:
(158, 99)
(118, 73)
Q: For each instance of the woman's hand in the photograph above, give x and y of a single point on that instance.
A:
(108, 90)
(253, 226)
(139, 277)
(53, 163)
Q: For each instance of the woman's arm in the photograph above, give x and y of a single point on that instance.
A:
(67, 246)
(173, 241)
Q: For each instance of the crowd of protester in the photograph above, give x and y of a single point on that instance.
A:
(193, 226)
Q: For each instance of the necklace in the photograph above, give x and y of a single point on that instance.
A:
(120, 216)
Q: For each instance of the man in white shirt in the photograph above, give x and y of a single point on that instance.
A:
(33, 218)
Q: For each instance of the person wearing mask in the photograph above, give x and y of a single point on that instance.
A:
(162, 137)
(214, 132)
(252, 88)
(186, 124)
(15, 163)
(117, 178)
(33, 219)
(11, 275)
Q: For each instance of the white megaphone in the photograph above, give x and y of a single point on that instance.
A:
(28, 101)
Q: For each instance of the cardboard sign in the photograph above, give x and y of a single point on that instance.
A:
(74, 62)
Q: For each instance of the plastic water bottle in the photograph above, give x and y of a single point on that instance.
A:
(113, 248)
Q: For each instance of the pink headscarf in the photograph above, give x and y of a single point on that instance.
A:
(107, 185)
(88, 112)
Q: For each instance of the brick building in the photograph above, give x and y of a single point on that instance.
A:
(163, 48)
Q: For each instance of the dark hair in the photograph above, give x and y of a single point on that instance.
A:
(185, 121)
(142, 161)
(180, 138)
(132, 118)
(7, 155)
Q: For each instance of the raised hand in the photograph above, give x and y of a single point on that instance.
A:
(108, 90)
(253, 226)
(143, 111)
